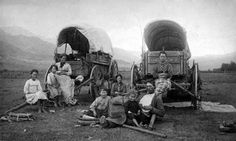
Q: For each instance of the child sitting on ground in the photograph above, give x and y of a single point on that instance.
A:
(132, 110)
(100, 106)
(54, 86)
(33, 91)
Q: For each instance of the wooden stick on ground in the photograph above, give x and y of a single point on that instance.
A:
(153, 118)
(85, 122)
(16, 107)
(145, 131)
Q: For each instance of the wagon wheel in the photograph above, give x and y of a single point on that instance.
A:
(94, 85)
(195, 87)
(45, 78)
(134, 76)
(113, 70)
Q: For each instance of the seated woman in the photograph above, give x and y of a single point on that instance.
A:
(33, 91)
(66, 83)
(163, 66)
(118, 88)
(54, 86)
(151, 106)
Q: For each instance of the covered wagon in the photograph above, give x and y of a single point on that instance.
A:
(90, 54)
(170, 37)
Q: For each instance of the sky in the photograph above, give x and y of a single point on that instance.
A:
(209, 24)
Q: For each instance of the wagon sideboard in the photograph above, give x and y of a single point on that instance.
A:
(177, 59)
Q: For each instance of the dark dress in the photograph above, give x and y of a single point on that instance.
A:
(133, 108)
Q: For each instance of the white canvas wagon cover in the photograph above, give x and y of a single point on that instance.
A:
(167, 35)
(86, 39)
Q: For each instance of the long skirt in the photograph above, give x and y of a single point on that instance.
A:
(67, 87)
(54, 91)
(33, 98)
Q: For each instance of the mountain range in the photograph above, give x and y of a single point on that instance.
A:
(210, 62)
(23, 50)
(20, 49)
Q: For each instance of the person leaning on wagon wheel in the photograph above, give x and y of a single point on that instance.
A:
(163, 66)
(118, 88)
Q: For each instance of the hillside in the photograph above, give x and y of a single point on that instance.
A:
(126, 56)
(214, 61)
(19, 52)
(16, 30)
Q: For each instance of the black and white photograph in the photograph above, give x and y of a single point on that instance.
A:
(117, 70)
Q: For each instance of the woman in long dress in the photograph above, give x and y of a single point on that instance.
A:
(34, 92)
(66, 83)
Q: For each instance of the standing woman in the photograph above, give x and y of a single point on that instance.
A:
(66, 83)
(34, 92)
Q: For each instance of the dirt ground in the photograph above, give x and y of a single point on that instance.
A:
(178, 124)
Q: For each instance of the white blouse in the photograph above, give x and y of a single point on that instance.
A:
(32, 86)
(66, 67)
(146, 100)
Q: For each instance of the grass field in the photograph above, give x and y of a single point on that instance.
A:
(178, 124)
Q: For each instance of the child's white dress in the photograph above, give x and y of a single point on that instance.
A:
(33, 91)
(53, 85)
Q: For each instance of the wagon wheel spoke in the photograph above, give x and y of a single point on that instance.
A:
(195, 87)
(45, 78)
(134, 76)
(113, 70)
(94, 86)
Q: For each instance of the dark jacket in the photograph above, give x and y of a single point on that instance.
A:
(157, 106)
(118, 88)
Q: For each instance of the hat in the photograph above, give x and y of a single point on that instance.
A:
(149, 84)
(119, 75)
(79, 78)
